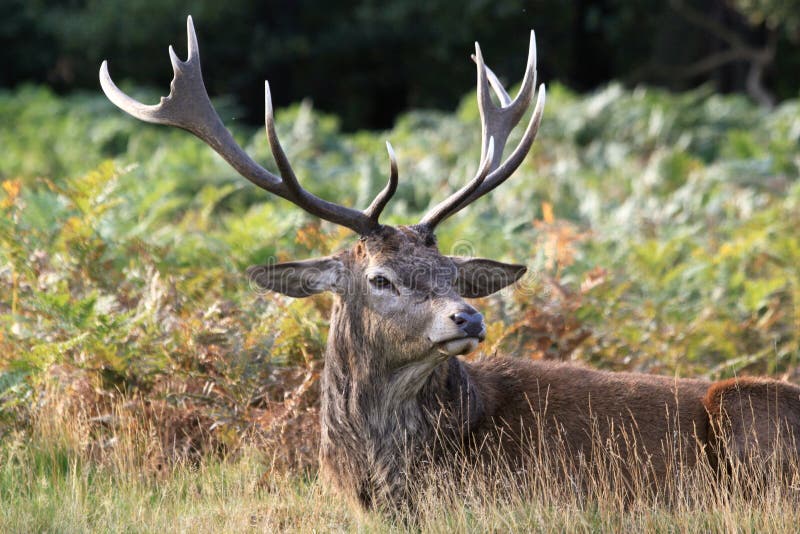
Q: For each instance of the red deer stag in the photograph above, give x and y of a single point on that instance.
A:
(393, 385)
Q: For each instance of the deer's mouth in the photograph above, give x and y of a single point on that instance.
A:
(462, 345)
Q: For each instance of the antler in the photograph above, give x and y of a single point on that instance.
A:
(496, 125)
(189, 107)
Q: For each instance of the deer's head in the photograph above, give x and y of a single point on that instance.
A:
(393, 285)
(396, 287)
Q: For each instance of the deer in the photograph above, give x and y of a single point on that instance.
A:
(395, 382)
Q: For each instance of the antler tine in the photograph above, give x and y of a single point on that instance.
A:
(446, 208)
(496, 125)
(498, 88)
(188, 107)
(496, 121)
(517, 156)
(356, 220)
(374, 210)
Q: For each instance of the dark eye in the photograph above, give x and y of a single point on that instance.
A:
(381, 282)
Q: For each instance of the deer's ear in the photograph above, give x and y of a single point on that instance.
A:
(299, 278)
(478, 277)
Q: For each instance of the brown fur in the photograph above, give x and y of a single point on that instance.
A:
(754, 420)
(630, 408)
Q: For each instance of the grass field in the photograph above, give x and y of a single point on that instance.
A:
(49, 482)
(144, 386)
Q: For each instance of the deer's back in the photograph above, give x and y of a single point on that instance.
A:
(539, 401)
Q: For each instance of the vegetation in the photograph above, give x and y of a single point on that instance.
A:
(142, 378)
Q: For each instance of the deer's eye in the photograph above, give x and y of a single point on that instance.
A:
(380, 282)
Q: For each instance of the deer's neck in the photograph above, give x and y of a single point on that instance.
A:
(378, 419)
(362, 390)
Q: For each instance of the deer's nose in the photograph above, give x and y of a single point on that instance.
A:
(470, 322)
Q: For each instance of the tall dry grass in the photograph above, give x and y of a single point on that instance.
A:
(65, 473)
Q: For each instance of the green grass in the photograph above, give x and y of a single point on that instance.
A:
(51, 490)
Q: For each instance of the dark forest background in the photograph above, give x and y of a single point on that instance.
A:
(369, 60)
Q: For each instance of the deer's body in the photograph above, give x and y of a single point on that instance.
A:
(396, 398)
(376, 452)
(577, 403)
(370, 449)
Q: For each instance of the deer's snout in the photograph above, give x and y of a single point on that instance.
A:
(470, 321)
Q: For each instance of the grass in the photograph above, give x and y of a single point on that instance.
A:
(53, 480)
(53, 490)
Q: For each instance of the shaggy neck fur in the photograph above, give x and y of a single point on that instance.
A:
(380, 424)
